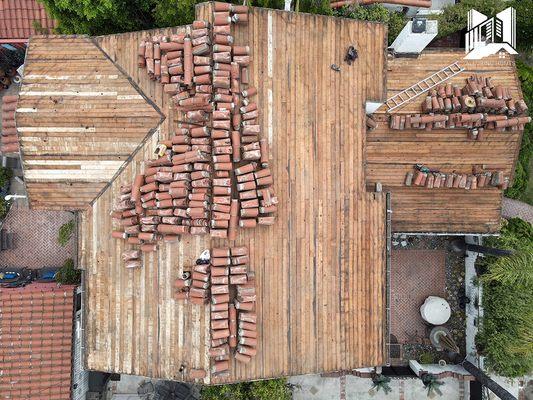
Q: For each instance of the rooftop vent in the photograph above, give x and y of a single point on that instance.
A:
(415, 36)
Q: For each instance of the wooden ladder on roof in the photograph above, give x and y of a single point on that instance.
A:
(399, 99)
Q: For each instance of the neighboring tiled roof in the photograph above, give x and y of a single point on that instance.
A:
(17, 19)
(36, 342)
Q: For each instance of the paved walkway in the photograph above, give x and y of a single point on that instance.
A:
(513, 208)
(415, 275)
(349, 387)
(35, 238)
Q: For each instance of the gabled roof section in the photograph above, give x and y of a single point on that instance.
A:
(36, 341)
(79, 119)
(390, 154)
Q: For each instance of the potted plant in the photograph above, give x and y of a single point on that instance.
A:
(380, 382)
(432, 384)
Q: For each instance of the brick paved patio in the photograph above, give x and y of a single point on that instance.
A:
(35, 238)
(415, 274)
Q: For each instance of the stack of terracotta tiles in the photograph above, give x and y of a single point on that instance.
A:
(478, 179)
(477, 106)
(190, 187)
(10, 142)
(258, 202)
(229, 285)
(132, 258)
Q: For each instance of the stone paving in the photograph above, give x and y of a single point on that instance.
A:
(514, 208)
(350, 387)
(415, 275)
(35, 238)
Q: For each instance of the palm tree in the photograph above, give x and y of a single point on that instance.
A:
(447, 343)
(381, 382)
(431, 383)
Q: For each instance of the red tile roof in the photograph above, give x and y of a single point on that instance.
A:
(36, 342)
(16, 20)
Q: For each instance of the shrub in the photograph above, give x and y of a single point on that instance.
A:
(65, 233)
(67, 274)
(4, 207)
(258, 390)
(101, 17)
(377, 13)
(426, 358)
(174, 12)
(5, 176)
(505, 334)
(519, 189)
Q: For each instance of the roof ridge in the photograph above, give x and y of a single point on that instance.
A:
(150, 133)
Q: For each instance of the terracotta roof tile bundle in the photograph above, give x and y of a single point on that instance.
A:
(189, 188)
(477, 179)
(229, 285)
(9, 141)
(477, 106)
(36, 323)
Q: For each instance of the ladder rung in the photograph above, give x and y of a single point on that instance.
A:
(416, 89)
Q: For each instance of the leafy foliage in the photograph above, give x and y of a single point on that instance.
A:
(426, 358)
(513, 270)
(174, 12)
(65, 233)
(67, 274)
(505, 336)
(432, 384)
(381, 382)
(258, 390)
(5, 176)
(377, 13)
(4, 207)
(524, 23)
(519, 190)
(454, 17)
(100, 17)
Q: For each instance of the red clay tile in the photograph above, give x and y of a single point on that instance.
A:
(36, 324)
(17, 19)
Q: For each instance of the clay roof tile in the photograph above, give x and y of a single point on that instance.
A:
(36, 325)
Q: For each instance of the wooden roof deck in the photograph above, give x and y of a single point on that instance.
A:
(320, 270)
(390, 154)
(79, 119)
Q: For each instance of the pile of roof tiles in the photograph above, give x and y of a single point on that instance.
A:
(10, 141)
(190, 187)
(478, 179)
(233, 317)
(477, 106)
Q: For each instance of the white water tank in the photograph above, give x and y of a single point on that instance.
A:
(435, 310)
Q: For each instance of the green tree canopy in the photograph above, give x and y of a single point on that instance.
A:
(506, 337)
